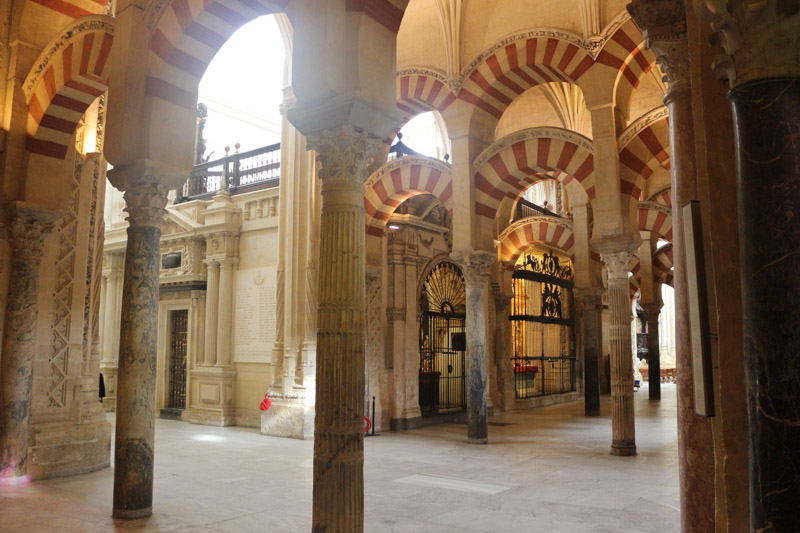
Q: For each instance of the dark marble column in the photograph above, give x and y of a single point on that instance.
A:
(26, 241)
(766, 116)
(653, 350)
(136, 386)
(338, 496)
(592, 302)
(476, 267)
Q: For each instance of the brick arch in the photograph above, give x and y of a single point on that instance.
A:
(552, 231)
(656, 218)
(625, 52)
(421, 90)
(662, 197)
(662, 273)
(399, 180)
(640, 155)
(69, 75)
(509, 166)
(186, 37)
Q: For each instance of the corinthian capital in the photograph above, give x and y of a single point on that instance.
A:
(26, 238)
(343, 153)
(761, 38)
(474, 265)
(617, 264)
(663, 25)
(146, 203)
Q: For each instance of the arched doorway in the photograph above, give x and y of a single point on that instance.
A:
(442, 341)
(542, 326)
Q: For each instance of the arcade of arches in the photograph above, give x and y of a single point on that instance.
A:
(500, 272)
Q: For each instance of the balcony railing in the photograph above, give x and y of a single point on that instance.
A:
(256, 169)
(527, 209)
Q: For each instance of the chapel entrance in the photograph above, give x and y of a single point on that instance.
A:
(542, 326)
(442, 341)
(178, 321)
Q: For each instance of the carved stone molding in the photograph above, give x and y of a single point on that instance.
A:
(636, 127)
(663, 25)
(444, 168)
(476, 266)
(761, 38)
(289, 101)
(591, 298)
(618, 265)
(395, 315)
(343, 153)
(146, 204)
(26, 238)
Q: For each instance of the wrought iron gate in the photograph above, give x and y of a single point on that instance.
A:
(177, 359)
(442, 341)
(542, 326)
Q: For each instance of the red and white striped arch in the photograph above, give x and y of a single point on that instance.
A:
(626, 53)
(662, 265)
(188, 35)
(516, 64)
(513, 163)
(523, 234)
(399, 180)
(642, 155)
(74, 8)
(656, 218)
(419, 91)
(69, 75)
(663, 197)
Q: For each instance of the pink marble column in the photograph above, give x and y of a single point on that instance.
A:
(135, 433)
(338, 495)
(26, 240)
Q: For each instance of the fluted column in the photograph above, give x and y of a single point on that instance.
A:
(26, 241)
(135, 435)
(338, 496)
(592, 303)
(212, 311)
(619, 302)
(476, 267)
(225, 313)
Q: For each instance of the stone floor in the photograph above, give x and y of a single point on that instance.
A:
(545, 470)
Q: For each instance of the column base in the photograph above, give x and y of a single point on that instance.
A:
(289, 418)
(623, 449)
(67, 449)
(484, 440)
(132, 514)
(212, 396)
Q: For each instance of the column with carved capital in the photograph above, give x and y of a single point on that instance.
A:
(26, 240)
(762, 66)
(135, 435)
(591, 299)
(476, 266)
(663, 24)
(338, 496)
(652, 312)
(619, 303)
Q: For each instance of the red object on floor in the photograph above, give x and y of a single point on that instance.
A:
(369, 424)
(266, 403)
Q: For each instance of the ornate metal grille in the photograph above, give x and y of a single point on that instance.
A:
(442, 341)
(542, 327)
(177, 359)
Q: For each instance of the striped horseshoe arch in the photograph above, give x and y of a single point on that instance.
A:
(68, 76)
(625, 52)
(420, 90)
(398, 180)
(519, 236)
(656, 218)
(513, 163)
(662, 197)
(186, 36)
(643, 153)
(662, 265)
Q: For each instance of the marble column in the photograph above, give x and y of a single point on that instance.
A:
(212, 310)
(26, 241)
(619, 303)
(476, 266)
(653, 311)
(592, 301)
(504, 349)
(663, 23)
(767, 122)
(338, 494)
(135, 434)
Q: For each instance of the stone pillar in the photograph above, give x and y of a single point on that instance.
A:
(763, 68)
(212, 310)
(225, 313)
(26, 240)
(663, 23)
(338, 495)
(504, 349)
(592, 302)
(113, 266)
(653, 311)
(476, 267)
(135, 435)
(619, 303)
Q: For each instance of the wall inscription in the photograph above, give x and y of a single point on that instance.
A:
(254, 324)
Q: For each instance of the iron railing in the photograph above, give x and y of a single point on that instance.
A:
(527, 209)
(257, 168)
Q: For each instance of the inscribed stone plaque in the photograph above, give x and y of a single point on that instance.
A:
(254, 325)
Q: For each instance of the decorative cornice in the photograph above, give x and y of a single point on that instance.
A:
(533, 220)
(527, 135)
(642, 123)
(476, 266)
(146, 204)
(75, 29)
(408, 160)
(343, 153)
